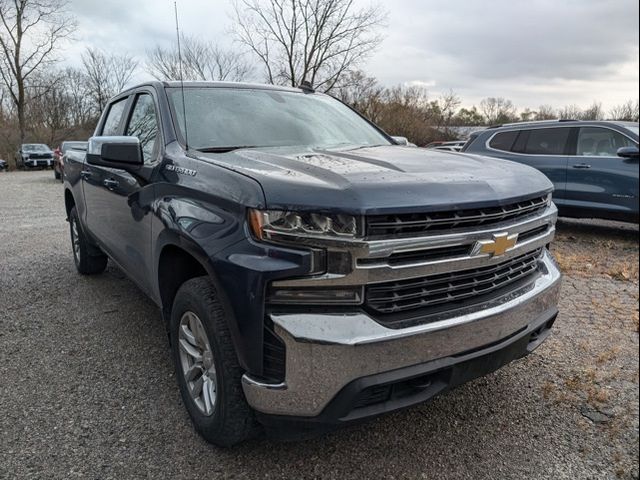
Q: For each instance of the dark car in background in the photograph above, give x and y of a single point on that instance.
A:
(593, 164)
(33, 155)
(59, 156)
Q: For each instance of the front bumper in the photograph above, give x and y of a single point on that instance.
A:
(38, 162)
(325, 352)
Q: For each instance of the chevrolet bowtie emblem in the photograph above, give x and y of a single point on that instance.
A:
(501, 243)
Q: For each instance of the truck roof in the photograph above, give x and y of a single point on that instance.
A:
(201, 84)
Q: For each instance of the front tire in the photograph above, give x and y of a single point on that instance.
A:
(88, 258)
(207, 368)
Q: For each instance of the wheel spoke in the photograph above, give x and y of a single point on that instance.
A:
(193, 371)
(190, 350)
(212, 390)
(200, 334)
(188, 334)
(75, 240)
(206, 395)
(211, 373)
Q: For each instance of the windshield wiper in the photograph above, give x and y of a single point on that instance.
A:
(224, 149)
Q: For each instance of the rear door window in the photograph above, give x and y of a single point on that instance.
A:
(601, 142)
(114, 118)
(504, 140)
(547, 141)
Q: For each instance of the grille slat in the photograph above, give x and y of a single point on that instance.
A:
(433, 290)
(415, 223)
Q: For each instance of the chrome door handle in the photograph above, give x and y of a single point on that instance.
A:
(110, 183)
(581, 165)
(85, 174)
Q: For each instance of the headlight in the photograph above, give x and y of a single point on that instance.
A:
(267, 224)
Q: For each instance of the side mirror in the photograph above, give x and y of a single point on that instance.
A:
(628, 152)
(401, 141)
(124, 153)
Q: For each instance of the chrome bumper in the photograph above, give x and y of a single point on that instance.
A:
(324, 352)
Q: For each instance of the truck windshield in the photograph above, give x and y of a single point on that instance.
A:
(220, 119)
(35, 147)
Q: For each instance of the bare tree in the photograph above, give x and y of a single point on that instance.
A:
(570, 112)
(407, 111)
(201, 60)
(546, 112)
(30, 31)
(48, 106)
(593, 112)
(445, 109)
(527, 115)
(106, 75)
(81, 110)
(498, 110)
(362, 93)
(469, 117)
(319, 41)
(628, 111)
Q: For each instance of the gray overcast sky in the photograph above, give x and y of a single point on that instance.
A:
(530, 51)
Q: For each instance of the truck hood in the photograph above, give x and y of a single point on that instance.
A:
(382, 179)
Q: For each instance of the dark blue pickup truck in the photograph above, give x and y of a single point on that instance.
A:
(311, 271)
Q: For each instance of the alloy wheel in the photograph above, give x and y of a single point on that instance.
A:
(196, 360)
(75, 240)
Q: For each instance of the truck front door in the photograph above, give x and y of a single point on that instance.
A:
(129, 218)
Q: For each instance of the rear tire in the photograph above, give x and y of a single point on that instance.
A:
(199, 330)
(88, 258)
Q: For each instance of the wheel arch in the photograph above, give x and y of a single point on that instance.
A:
(69, 201)
(180, 260)
(176, 265)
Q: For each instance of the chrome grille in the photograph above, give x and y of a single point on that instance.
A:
(450, 288)
(417, 223)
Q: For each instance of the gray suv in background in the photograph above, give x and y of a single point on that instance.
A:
(592, 164)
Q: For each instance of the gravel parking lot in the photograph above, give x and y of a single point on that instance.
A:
(87, 387)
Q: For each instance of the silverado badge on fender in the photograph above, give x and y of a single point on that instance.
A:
(501, 243)
(182, 170)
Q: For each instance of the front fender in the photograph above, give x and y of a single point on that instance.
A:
(239, 268)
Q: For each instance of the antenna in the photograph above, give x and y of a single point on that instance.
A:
(184, 108)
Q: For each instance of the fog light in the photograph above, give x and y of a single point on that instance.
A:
(315, 296)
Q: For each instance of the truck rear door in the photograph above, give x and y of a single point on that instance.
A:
(97, 197)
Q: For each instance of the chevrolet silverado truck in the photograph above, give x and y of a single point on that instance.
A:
(311, 270)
